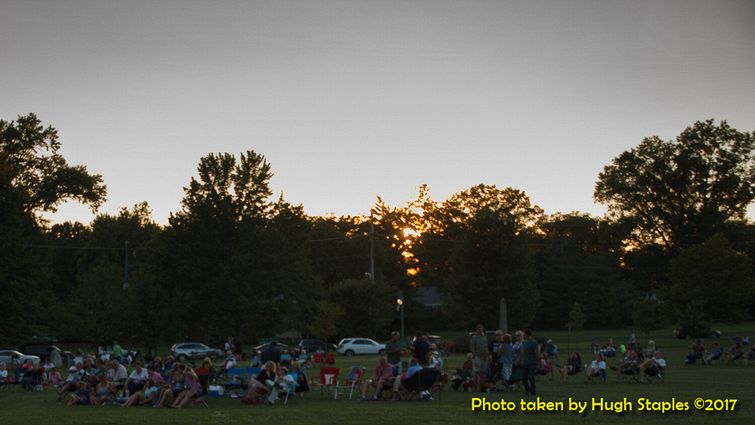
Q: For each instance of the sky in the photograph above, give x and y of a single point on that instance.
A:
(350, 100)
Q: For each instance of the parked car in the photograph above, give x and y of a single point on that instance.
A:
(194, 350)
(43, 350)
(312, 345)
(353, 346)
(10, 357)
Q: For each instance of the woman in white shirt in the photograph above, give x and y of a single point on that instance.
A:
(597, 368)
(136, 380)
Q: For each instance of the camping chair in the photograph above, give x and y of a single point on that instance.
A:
(292, 388)
(236, 380)
(424, 380)
(328, 379)
(353, 380)
(655, 374)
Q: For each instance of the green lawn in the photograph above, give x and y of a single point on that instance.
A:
(684, 383)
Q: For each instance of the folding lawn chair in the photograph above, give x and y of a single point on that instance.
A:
(329, 379)
(353, 380)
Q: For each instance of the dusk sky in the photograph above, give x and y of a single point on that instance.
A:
(349, 100)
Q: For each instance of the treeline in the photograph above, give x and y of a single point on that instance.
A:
(675, 247)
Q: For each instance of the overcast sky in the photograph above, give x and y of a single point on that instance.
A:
(354, 99)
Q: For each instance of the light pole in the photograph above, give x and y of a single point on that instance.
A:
(400, 307)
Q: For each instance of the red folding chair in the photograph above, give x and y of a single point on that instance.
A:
(329, 379)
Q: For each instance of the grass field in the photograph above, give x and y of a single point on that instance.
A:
(684, 383)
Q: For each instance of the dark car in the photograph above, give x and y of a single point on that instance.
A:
(312, 345)
(45, 350)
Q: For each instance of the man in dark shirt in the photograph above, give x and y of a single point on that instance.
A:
(530, 358)
(271, 354)
(421, 349)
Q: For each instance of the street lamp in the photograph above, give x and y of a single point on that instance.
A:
(400, 307)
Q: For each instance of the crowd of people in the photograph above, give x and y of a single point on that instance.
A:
(498, 365)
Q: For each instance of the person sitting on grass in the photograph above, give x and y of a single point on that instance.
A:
(75, 373)
(283, 383)
(3, 374)
(117, 374)
(136, 380)
(735, 352)
(383, 377)
(81, 394)
(653, 366)
(463, 374)
(176, 385)
(53, 379)
(629, 365)
(192, 388)
(573, 366)
(597, 368)
(714, 353)
(257, 390)
(696, 352)
(148, 396)
(154, 375)
(750, 357)
(302, 383)
(104, 391)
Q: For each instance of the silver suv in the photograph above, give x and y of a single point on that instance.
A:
(194, 350)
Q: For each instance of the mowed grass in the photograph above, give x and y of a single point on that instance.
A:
(683, 383)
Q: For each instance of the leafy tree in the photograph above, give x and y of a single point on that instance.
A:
(645, 315)
(579, 261)
(367, 307)
(682, 191)
(716, 277)
(42, 175)
(489, 262)
(576, 318)
(237, 262)
(22, 270)
(324, 322)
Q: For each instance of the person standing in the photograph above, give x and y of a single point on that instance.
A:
(118, 352)
(393, 352)
(478, 345)
(530, 357)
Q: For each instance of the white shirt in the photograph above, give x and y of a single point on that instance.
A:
(117, 375)
(598, 365)
(139, 377)
(4, 374)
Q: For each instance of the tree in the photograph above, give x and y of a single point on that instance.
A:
(579, 261)
(368, 307)
(34, 179)
(42, 175)
(713, 275)
(236, 259)
(645, 315)
(682, 191)
(576, 318)
(490, 260)
(324, 323)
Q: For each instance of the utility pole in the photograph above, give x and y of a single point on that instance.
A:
(125, 266)
(372, 249)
